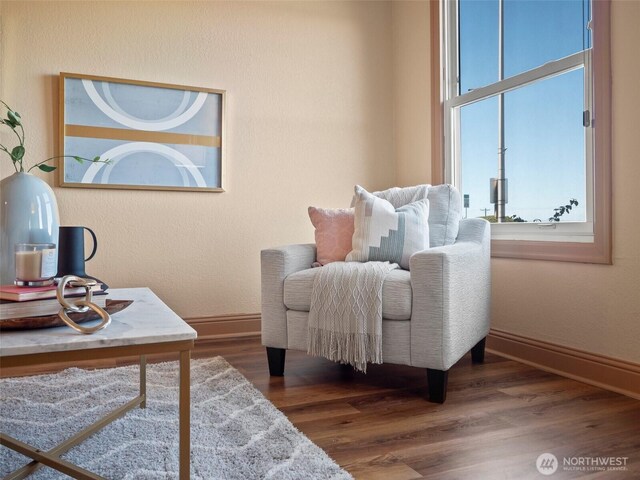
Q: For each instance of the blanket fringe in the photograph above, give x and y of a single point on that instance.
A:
(341, 347)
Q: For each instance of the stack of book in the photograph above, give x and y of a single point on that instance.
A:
(23, 302)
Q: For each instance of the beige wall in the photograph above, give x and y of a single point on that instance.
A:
(411, 91)
(309, 114)
(591, 307)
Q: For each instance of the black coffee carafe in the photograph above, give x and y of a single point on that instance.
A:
(71, 251)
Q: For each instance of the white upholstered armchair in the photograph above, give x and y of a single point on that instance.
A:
(432, 314)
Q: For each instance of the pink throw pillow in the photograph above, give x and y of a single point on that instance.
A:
(334, 230)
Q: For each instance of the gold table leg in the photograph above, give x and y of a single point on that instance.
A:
(52, 458)
(185, 414)
(143, 381)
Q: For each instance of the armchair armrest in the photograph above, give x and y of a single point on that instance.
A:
(451, 297)
(276, 264)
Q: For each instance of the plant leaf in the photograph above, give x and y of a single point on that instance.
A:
(96, 159)
(78, 159)
(46, 168)
(14, 117)
(18, 152)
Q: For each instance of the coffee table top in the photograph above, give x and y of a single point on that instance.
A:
(146, 320)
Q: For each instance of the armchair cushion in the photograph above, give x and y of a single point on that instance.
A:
(383, 233)
(396, 293)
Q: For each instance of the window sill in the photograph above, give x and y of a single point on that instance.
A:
(598, 252)
(560, 232)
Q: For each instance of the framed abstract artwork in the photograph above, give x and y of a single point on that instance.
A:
(156, 136)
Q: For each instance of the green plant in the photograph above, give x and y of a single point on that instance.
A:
(562, 209)
(13, 120)
(507, 219)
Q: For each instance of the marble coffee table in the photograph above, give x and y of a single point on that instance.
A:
(147, 326)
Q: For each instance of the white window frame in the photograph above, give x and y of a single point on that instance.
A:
(564, 231)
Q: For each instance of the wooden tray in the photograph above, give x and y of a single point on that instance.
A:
(48, 321)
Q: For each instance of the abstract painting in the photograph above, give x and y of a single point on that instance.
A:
(156, 136)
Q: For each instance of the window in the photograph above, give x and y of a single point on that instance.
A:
(526, 123)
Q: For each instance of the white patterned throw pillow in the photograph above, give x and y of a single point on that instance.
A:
(383, 233)
(445, 209)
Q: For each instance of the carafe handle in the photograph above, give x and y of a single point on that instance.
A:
(95, 244)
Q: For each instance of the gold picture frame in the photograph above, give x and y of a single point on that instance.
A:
(156, 136)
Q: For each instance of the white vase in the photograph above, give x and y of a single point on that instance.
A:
(28, 214)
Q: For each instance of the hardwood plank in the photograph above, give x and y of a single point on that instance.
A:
(381, 468)
(315, 412)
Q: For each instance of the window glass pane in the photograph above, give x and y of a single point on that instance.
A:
(478, 43)
(545, 156)
(539, 31)
(479, 155)
(545, 151)
(535, 32)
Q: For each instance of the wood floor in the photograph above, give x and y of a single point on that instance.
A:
(498, 417)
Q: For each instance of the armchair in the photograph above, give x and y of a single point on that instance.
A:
(432, 314)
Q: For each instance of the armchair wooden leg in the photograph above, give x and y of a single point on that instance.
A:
(477, 352)
(275, 356)
(437, 383)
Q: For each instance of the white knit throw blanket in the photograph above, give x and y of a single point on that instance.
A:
(345, 318)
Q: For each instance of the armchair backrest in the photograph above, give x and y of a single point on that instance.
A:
(445, 208)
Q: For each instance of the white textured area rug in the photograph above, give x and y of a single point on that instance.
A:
(236, 433)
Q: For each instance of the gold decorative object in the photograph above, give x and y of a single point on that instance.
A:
(80, 305)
